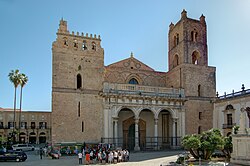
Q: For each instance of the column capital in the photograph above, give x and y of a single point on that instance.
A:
(156, 121)
(175, 119)
(115, 119)
(136, 120)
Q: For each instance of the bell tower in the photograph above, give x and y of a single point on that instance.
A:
(188, 69)
(187, 42)
(77, 77)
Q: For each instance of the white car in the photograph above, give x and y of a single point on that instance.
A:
(23, 147)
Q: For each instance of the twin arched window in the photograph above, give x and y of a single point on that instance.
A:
(176, 39)
(194, 35)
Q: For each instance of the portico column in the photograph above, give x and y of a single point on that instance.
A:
(174, 131)
(116, 130)
(137, 147)
(156, 133)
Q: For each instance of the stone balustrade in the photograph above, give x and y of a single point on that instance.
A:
(135, 89)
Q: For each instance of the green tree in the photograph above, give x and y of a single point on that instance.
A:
(23, 82)
(14, 77)
(228, 147)
(203, 145)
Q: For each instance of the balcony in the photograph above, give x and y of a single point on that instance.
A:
(228, 126)
(131, 89)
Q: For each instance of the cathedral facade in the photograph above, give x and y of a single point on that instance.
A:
(128, 103)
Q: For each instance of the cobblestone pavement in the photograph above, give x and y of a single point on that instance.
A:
(136, 159)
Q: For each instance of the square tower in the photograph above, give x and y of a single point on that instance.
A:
(77, 77)
(188, 69)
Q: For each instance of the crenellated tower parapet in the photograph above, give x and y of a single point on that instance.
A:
(75, 40)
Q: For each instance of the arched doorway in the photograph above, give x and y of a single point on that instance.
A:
(165, 128)
(129, 133)
(42, 138)
(32, 138)
(22, 137)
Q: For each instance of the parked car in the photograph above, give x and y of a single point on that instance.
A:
(55, 154)
(23, 147)
(13, 155)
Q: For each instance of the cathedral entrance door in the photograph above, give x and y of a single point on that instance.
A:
(131, 137)
(129, 133)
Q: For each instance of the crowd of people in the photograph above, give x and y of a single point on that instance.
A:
(103, 155)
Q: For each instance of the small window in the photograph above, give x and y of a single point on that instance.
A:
(93, 46)
(177, 39)
(79, 81)
(199, 90)
(199, 130)
(65, 41)
(23, 125)
(42, 125)
(33, 125)
(84, 45)
(79, 109)
(229, 119)
(200, 113)
(82, 126)
(75, 44)
(133, 81)
(176, 60)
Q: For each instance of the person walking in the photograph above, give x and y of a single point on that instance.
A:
(80, 157)
(41, 153)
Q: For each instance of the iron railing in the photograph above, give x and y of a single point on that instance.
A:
(147, 143)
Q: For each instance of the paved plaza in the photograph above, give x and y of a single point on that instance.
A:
(136, 159)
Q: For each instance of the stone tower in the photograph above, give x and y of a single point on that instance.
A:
(77, 77)
(188, 69)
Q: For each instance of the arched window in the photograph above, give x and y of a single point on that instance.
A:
(174, 41)
(194, 35)
(195, 57)
(65, 41)
(199, 90)
(93, 46)
(75, 44)
(79, 81)
(84, 45)
(229, 107)
(133, 81)
(177, 39)
(176, 60)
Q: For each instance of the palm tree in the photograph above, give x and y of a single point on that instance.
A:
(23, 81)
(14, 78)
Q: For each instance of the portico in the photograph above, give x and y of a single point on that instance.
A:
(143, 119)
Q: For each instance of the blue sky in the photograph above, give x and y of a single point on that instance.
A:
(29, 27)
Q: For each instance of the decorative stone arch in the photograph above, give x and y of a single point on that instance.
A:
(195, 57)
(229, 107)
(172, 112)
(135, 76)
(117, 110)
(147, 108)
